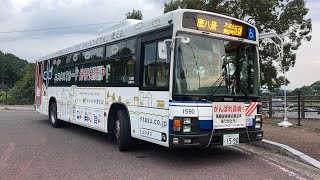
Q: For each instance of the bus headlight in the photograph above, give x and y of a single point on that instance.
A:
(186, 120)
(186, 129)
(185, 124)
(258, 122)
(258, 125)
(258, 118)
(175, 140)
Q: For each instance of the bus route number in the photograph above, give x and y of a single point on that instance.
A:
(188, 111)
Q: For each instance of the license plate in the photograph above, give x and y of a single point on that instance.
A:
(230, 139)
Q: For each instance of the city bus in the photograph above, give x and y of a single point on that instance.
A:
(187, 78)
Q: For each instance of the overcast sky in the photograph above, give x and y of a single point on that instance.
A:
(38, 14)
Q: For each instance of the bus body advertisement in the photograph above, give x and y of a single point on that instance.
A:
(187, 78)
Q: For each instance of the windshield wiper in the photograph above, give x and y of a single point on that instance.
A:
(240, 87)
(214, 88)
(223, 76)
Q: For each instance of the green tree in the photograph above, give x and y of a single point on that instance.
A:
(23, 91)
(135, 14)
(316, 86)
(313, 89)
(11, 68)
(286, 17)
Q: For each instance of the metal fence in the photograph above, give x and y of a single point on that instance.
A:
(299, 106)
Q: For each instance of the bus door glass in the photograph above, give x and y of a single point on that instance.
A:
(154, 95)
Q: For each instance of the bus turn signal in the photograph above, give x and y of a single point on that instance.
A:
(176, 125)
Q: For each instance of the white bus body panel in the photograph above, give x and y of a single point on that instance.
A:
(154, 116)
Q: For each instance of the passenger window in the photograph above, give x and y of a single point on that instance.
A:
(155, 69)
(121, 62)
(121, 70)
(150, 51)
(69, 59)
(93, 54)
(162, 73)
(121, 48)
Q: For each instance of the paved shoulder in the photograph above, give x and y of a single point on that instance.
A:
(284, 163)
(301, 139)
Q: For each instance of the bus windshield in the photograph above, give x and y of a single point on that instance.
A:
(208, 66)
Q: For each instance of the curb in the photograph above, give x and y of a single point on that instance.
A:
(315, 129)
(12, 108)
(288, 151)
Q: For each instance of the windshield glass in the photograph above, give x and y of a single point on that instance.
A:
(207, 66)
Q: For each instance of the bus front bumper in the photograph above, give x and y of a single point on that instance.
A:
(202, 139)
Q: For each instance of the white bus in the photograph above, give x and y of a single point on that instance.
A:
(187, 78)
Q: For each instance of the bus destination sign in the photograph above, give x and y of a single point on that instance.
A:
(216, 24)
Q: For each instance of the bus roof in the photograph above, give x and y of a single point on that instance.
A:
(127, 29)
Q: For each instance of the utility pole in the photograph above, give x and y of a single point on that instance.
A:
(285, 95)
(270, 35)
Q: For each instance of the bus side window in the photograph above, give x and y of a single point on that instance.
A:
(162, 75)
(121, 62)
(122, 70)
(155, 69)
(150, 53)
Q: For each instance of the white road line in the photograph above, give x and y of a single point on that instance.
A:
(290, 173)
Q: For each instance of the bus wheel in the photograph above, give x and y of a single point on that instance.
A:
(54, 121)
(122, 130)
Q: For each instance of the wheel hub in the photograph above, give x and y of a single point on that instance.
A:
(117, 128)
(53, 118)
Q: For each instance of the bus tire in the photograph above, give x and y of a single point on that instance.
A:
(54, 121)
(122, 130)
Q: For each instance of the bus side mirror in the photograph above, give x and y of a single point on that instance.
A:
(162, 46)
(162, 50)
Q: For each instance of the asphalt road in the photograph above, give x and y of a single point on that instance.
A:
(31, 149)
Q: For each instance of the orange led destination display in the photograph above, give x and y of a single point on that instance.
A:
(216, 24)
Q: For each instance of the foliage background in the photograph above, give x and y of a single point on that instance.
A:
(16, 80)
